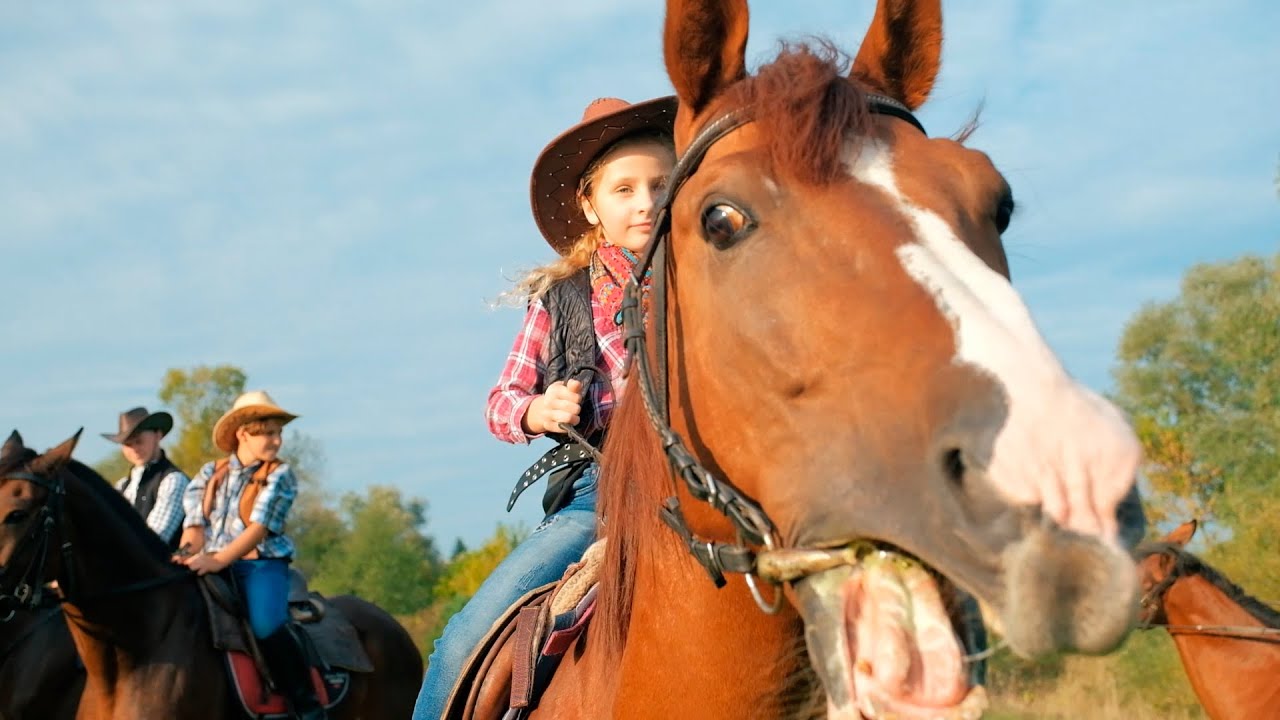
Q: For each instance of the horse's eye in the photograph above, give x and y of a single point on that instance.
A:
(1004, 212)
(724, 224)
(16, 517)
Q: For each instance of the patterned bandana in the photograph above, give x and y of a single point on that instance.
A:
(611, 268)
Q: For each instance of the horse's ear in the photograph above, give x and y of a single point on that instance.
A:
(53, 460)
(704, 46)
(12, 447)
(902, 50)
(1181, 535)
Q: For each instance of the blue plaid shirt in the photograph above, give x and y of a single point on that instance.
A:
(270, 508)
(166, 516)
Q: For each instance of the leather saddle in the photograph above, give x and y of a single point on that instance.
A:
(508, 672)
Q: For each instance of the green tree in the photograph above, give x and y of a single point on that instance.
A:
(461, 578)
(469, 568)
(314, 525)
(1200, 375)
(384, 557)
(198, 397)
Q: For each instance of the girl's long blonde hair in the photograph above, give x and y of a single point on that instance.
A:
(538, 280)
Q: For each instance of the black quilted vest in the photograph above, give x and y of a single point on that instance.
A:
(571, 354)
(571, 345)
(148, 488)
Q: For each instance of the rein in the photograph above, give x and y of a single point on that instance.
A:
(1235, 632)
(774, 565)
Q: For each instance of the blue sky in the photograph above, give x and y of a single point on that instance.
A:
(331, 195)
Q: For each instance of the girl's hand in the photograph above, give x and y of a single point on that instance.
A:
(204, 563)
(560, 405)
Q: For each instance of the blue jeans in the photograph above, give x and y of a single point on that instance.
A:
(542, 558)
(265, 585)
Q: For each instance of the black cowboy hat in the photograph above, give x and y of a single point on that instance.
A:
(132, 421)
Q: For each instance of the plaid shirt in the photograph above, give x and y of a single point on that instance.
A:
(224, 523)
(522, 377)
(166, 515)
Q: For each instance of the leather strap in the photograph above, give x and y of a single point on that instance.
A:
(524, 653)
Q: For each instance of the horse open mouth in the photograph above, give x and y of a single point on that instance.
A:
(881, 637)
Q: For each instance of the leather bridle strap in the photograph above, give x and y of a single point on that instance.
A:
(28, 588)
(751, 524)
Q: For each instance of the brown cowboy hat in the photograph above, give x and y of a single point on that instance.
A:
(138, 419)
(554, 185)
(253, 405)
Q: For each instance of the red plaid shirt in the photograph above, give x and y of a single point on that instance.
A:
(522, 377)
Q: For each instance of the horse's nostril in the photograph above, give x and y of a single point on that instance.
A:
(953, 466)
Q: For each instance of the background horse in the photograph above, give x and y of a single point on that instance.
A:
(848, 386)
(39, 675)
(139, 622)
(1229, 642)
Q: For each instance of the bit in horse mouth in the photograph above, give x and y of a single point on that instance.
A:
(884, 642)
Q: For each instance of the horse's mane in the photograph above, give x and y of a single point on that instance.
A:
(634, 478)
(90, 482)
(1186, 563)
(806, 109)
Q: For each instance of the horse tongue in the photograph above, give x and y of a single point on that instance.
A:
(906, 656)
(881, 641)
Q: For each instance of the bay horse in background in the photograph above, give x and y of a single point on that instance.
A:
(1229, 642)
(139, 621)
(861, 416)
(40, 675)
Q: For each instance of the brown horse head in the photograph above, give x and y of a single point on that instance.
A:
(26, 479)
(1159, 566)
(1228, 640)
(846, 348)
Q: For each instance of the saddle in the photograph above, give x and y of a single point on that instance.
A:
(508, 672)
(328, 640)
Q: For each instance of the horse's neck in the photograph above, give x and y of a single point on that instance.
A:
(697, 651)
(1193, 600)
(109, 563)
(1215, 665)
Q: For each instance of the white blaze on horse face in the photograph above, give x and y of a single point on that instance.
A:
(1062, 446)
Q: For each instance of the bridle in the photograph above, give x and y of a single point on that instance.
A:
(774, 565)
(1150, 602)
(27, 589)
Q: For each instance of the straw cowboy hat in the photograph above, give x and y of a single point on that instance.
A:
(253, 405)
(554, 185)
(137, 420)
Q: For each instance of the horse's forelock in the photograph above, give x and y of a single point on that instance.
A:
(18, 461)
(805, 108)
